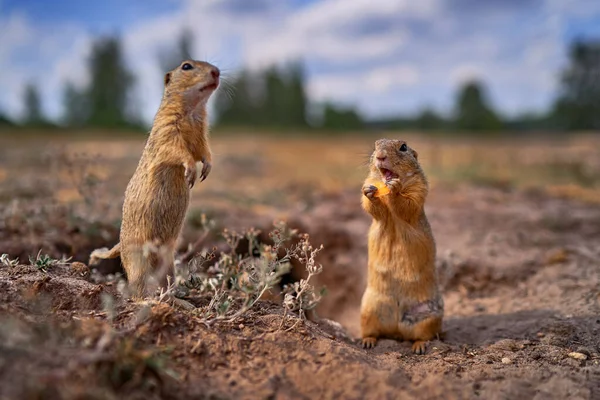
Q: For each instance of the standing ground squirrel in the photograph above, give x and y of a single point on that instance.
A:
(157, 196)
(402, 299)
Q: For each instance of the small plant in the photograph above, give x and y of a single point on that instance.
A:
(235, 282)
(300, 296)
(44, 261)
(7, 262)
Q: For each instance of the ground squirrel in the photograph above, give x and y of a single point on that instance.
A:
(402, 299)
(157, 196)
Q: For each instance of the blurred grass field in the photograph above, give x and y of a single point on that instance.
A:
(268, 171)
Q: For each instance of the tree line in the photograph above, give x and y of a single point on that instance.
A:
(276, 98)
(104, 103)
(576, 107)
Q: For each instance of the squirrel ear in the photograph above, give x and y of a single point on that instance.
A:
(415, 154)
(167, 78)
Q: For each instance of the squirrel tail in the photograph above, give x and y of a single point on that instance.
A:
(105, 253)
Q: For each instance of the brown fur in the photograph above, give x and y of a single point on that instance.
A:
(157, 196)
(402, 299)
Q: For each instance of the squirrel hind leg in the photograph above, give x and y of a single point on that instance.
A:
(419, 347)
(369, 342)
(146, 273)
(427, 330)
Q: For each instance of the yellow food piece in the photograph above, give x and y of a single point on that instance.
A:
(382, 189)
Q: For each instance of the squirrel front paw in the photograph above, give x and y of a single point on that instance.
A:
(369, 191)
(190, 174)
(206, 167)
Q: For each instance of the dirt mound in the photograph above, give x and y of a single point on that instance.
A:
(61, 288)
(57, 230)
(157, 351)
(152, 350)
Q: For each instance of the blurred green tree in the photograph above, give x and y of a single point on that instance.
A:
(274, 97)
(473, 111)
(428, 120)
(235, 103)
(338, 118)
(5, 121)
(109, 92)
(75, 105)
(32, 105)
(275, 108)
(578, 105)
(297, 103)
(531, 121)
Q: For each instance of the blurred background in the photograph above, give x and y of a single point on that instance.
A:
(500, 98)
(493, 65)
(500, 93)
(503, 94)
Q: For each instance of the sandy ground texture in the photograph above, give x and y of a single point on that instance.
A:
(521, 277)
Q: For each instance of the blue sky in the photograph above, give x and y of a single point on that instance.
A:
(386, 57)
(96, 16)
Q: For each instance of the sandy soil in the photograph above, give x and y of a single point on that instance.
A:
(521, 276)
(522, 290)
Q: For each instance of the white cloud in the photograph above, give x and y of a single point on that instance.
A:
(37, 53)
(377, 54)
(15, 32)
(389, 78)
(330, 31)
(466, 72)
(349, 88)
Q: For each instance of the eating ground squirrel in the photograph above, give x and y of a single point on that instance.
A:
(402, 299)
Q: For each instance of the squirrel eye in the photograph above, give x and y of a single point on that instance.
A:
(403, 147)
(186, 66)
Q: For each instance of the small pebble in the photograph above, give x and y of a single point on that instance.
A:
(578, 356)
(585, 351)
(506, 360)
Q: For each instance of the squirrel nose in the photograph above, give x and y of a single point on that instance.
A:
(215, 73)
(380, 156)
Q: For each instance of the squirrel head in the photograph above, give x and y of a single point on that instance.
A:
(193, 80)
(394, 161)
